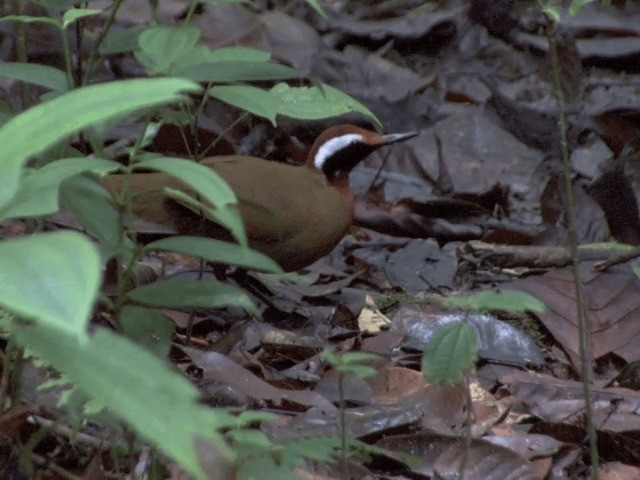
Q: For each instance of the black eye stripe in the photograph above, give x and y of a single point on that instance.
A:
(346, 158)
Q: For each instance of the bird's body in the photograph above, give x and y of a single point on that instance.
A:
(294, 214)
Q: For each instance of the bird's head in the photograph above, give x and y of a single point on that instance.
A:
(340, 148)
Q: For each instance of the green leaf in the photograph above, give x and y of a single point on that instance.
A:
(91, 204)
(161, 47)
(236, 71)
(39, 189)
(552, 11)
(202, 54)
(202, 179)
(6, 112)
(30, 19)
(147, 328)
(81, 108)
(576, 6)
(451, 354)
(351, 358)
(42, 75)
(121, 41)
(350, 362)
(507, 300)
(74, 14)
(216, 251)
(228, 215)
(238, 54)
(207, 184)
(252, 99)
(317, 7)
(52, 277)
(137, 387)
(187, 294)
(312, 103)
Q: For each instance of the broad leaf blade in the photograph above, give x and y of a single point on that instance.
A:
(42, 75)
(51, 277)
(91, 204)
(138, 388)
(187, 294)
(81, 107)
(38, 194)
(161, 47)
(216, 251)
(312, 103)
(206, 183)
(236, 71)
(451, 354)
(147, 328)
(507, 300)
(252, 99)
(74, 14)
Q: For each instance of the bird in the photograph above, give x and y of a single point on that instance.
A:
(293, 214)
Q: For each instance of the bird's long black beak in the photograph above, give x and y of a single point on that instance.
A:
(398, 137)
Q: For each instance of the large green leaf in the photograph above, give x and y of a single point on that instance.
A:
(38, 194)
(121, 41)
(161, 47)
(42, 75)
(161, 405)
(187, 294)
(236, 71)
(238, 54)
(252, 99)
(74, 14)
(201, 54)
(147, 328)
(451, 353)
(216, 251)
(317, 7)
(40, 127)
(91, 204)
(507, 300)
(207, 184)
(31, 19)
(51, 277)
(312, 103)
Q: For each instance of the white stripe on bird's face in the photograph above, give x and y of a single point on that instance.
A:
(330, 147)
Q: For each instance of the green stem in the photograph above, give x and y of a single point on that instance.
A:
(124, 203)
(233, 124)
(66, 52)
(343, 429)
(95, 50)
(583, 328)
(192, 9)
(21, 52)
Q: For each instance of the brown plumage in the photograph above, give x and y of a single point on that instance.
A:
(293, 214)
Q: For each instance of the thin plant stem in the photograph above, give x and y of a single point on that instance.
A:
(583, 328)
(467, 431)
(21, 52)
(95, 50)
(237, 121)
(343, 429)
(125, 273)
(66, 52)
(79, 32)
(190, 12)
